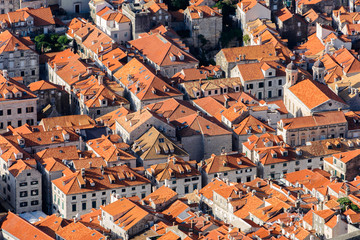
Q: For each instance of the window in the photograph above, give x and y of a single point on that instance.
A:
(34, 192)
(103, 202)
(309, 160)
(133, 189)
(73, 198)
(1, 112)
(270, 83)
(261, 84)
(73, 207)
(83, 206)
(23, 204)
(19, 123)
(195, 186)
(22, 73)
(143, 195)
(272, 166)
(34, 182)
(19, 110)
(248, 178)
(98, 112)
(23, 184)
(103, 193)
(93, 204)
(297, 163)
(35, 202)
(269, 94)
(284, 164)
(84, 196)
(9, 112)
(143, 187)
(21, 54)
(174, 182)
(250, 86)
(186, 189)
(33, 72)
(29, 109)
(93, 195)
(280, 82)
(23, 194)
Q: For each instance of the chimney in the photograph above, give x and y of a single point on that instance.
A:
(89, 70)
(101, 79)
(90, 163)
(5, 74)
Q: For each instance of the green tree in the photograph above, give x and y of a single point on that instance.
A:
(246, 39)
(346, 202)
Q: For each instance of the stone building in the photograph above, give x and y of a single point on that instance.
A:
(291, 26)
(163, 54)
(33, 21)
(24, 189)
(81, 191)
(153, 147)
(234, 167)
(176, 174)
(228, 58)
(306, 97)
(247, 11)
(144, 16)
(204, 24)
(18, 57)
(52, 99)
(133, 125)
(114, 24)
(264, 80)
(143, 86)
(202, 136)
(114, 219)
(298, 131)
(343, 165)
(18, 104)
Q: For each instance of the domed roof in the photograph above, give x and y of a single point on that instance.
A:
(291, 66)
(319, 64)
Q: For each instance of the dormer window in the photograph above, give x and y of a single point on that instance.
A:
(274, 155)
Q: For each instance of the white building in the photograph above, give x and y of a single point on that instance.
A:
(79, 192)
(114, 24)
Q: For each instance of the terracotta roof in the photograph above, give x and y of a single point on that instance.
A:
(43, 85)
(141, 81)
(78, 230)
(160, 50)
(308, 178)
(175, 167)
(192, 74)
(347, 156)
(109, 118)
(316, 93)
(51, 224)
(251, 53)
(284, 14)
(111, 149)
(52, 165)
(246, 5)
(155, 145)
(18, 167)
(172, 109)
(318, 119)
(251, 125)
(78, 121)
(207, 191)
(203, 11)
(8, 42)
(11, 225)
(263, 141)
(123, 177)
(126, 214)
(160, 196)
(198, 125)
(11, 89)
(255, 71)
(225, 163)
(132, 121)
(68, 153)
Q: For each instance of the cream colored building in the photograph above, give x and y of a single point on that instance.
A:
(298, 131)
